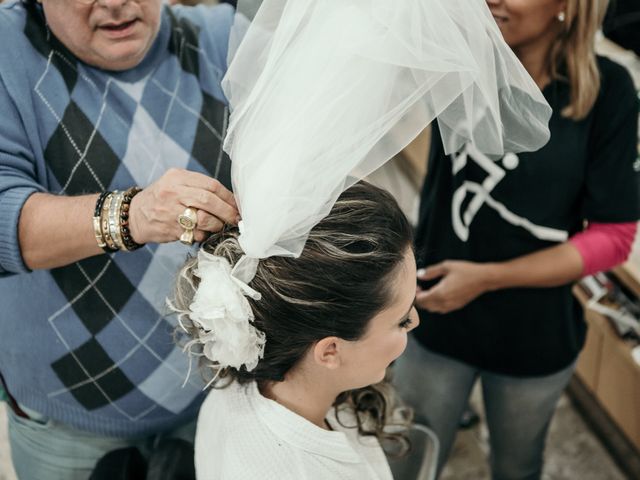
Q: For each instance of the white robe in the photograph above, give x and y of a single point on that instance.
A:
(242, 435)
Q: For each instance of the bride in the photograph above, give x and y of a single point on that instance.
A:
(297, 314)
(315, 406)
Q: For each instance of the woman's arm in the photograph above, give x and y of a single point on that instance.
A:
(600, 247)
(550, 267)
(605, 245)
(462, 281)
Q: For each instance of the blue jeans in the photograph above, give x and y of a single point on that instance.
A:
(42, 449)
(518, 410)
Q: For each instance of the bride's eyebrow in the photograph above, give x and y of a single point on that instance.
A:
(408, 311)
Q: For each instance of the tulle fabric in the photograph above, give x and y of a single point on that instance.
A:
(323, 92)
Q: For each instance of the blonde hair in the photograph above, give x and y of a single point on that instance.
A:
(574, 50)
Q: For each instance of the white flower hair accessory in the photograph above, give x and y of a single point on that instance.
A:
(222, 313)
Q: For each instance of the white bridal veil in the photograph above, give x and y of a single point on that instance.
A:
(323, 92)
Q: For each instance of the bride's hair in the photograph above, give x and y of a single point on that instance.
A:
(339, 283)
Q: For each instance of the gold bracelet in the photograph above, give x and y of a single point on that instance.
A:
(114, 219)
(104, 220)
(96, 220)
(97, 231)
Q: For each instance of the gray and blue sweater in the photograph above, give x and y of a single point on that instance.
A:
(90, 344)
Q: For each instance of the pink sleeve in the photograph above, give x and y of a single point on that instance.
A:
(604, 245)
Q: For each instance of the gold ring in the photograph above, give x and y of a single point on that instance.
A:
(187, 237)
(188, 220)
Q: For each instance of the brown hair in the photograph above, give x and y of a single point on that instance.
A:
(573, 53)
(337, 285)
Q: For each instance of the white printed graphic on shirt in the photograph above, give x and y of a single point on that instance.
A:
(461, 220)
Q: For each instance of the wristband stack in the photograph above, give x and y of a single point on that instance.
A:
(111, 221)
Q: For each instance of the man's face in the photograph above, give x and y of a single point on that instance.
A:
(108, 34)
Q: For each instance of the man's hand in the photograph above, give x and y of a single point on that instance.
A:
(154, 211)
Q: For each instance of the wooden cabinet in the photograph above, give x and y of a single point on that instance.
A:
(588, 367)
(607, 369)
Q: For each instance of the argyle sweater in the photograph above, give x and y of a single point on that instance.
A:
(90, 344)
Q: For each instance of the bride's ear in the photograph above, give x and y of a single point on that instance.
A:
(326, 353)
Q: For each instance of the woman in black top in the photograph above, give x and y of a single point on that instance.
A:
(503, 241)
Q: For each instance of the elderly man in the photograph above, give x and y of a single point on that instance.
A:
(99, 97)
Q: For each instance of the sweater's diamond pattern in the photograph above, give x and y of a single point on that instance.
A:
(94, 298)
(79, 157)
(91, 373)
(207, 146)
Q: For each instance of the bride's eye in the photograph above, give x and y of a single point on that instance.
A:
(406, 323)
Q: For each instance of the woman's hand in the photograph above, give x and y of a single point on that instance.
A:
(153, 215)
(460, 283)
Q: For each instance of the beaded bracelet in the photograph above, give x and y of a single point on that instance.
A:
(129, 243)
(111, 221)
